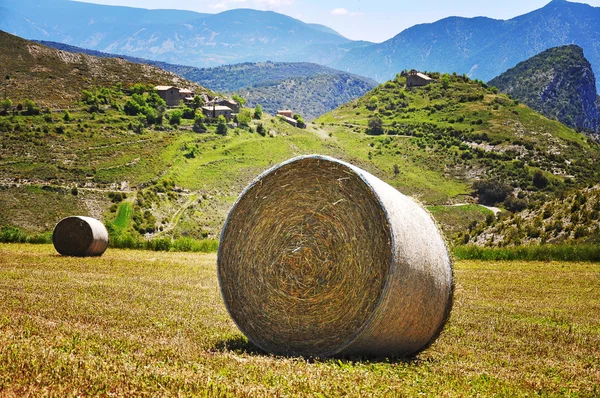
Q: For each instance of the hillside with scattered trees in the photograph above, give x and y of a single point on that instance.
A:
(153, 173)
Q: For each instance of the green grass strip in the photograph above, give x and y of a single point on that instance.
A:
(587, 252)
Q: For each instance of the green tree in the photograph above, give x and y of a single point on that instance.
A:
(139, 98)
(375, 125)
(6, 104)
(132, 108)
(445, 81)
(91, 99)
(189, 113)
(152, 116)
(67, 116)
(258, 112)
(199, 126)
(198, 102)
(240, 100)
(300, 121)
(155, 101)
(491, 192)
(260, 129)
(221, 125)
(30, 107)
(139, 88)
(244, 117)
(373, 102)
(540, 180)
(175, 118)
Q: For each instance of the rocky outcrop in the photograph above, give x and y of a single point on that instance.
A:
(558, 83)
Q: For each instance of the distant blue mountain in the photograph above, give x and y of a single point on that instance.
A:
(480, 47)
(181, 37)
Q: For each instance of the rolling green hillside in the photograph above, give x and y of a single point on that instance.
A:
(458, 131)
(453, 142)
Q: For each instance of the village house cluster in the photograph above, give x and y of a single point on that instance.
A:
(212, 108)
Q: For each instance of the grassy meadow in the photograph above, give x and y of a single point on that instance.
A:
(153, 323)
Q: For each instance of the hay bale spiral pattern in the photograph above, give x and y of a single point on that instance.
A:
(309, 264)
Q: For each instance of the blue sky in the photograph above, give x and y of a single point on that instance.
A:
(358, 19)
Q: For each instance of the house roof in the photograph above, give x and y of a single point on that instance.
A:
(217, 108)
(288, 119)
(185, 91)
(423, 76)
(163, 88)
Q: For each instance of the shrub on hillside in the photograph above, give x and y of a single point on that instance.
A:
(375, 125)
(222, 125)
(540, 180)
(175, 117)
(188, 113)
(199, 126)
(491, 192)
(515, 204)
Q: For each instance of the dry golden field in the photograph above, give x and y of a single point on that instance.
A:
(153, 323)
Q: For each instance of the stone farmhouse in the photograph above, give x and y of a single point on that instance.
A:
(231, 104)
(221, 107)
(288, 116)
(173, 95)
(214, 111)
(415, 78)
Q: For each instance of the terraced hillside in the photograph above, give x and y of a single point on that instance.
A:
(459, 131)
(155, 173)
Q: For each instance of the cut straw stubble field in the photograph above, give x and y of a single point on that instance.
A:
(152, 323)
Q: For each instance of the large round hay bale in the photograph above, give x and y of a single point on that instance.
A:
(80, 236)
(320, 258)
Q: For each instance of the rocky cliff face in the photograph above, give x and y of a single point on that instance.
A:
(558, 83)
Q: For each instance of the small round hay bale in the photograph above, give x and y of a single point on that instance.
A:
(320, 258)
(80, 236)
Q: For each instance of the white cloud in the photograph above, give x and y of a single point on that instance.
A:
(344, 12)
(340, 11)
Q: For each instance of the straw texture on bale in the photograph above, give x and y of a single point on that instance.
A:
(80, 236)
(320, 258)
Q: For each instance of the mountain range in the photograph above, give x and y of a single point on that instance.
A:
(306, 88)
(480, 47)
(180, 37)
